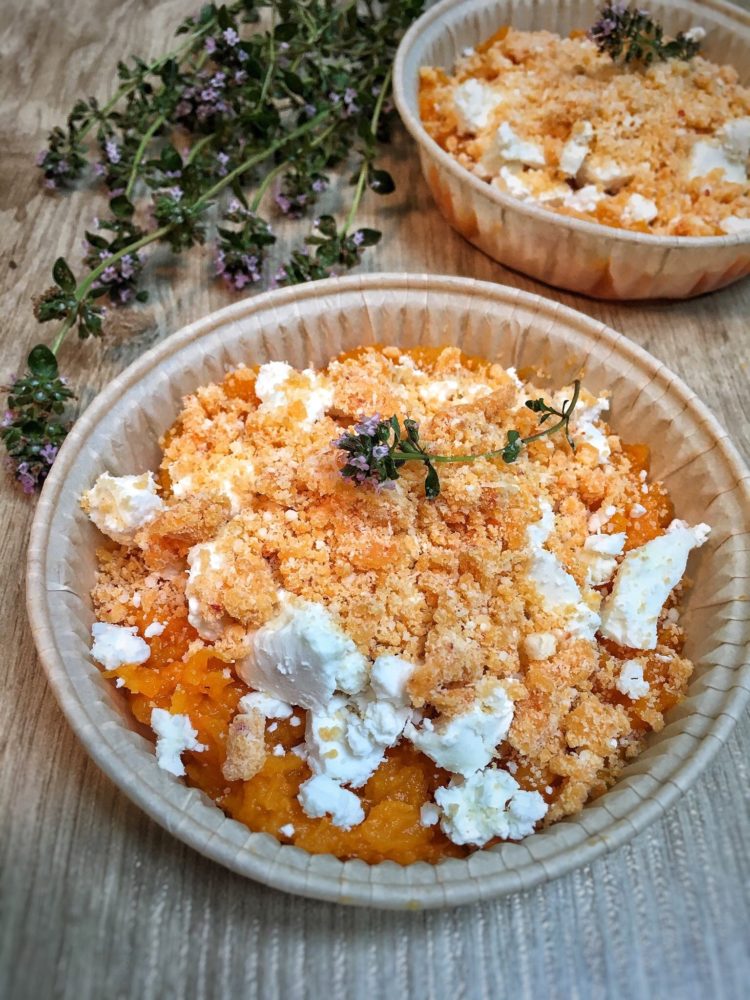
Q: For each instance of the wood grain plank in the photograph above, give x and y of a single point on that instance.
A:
(96, 900)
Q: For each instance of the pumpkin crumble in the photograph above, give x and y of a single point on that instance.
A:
(370, 672)
(660, 148)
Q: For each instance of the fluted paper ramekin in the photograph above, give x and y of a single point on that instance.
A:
(569, 253)
(307, 325)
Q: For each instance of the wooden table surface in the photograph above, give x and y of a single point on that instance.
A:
(96, 901)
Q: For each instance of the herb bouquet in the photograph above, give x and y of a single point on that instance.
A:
(259, 98)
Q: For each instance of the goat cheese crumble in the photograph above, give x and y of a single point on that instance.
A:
(174, 735)
(121, 505)
(118, 645)
(487, 804)
(644, 581)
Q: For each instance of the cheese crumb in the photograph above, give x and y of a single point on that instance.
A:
(301, 656)
(474, 102)
(631, 682)
(121, 505)
(174, 735)
(155, 628)
(466, 743)
(320, 796)
(287, 830)
(117, 645)
(272, 708)
(540, 645)
(644, 581)
(488, 804)
(429, 814)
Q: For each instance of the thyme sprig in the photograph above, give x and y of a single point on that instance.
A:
(257, 95)
(631, 35)
(377, 448)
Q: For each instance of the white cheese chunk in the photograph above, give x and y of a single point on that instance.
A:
(175, 734)
(733, 225)
(347, 743)
(301, 656)
(507, 147)
(474, 102)
(117, 645)
(488, 804)
(268, 384)
(389, 677)
(576, 149)
(466, 743)
(321, 796)
(287, 830)
(639, 209)
(155, 628)
(645, 579)
(631, 682)
(606, 173)
(583, 423)
(556, 588)
(271, 708)
(273, 392)
(600, 552)
(513, 182)
(727, 151)
(201, 559)
(540, 645)
(735, 137)
(121, 505)
(584, 200)
(429, 814)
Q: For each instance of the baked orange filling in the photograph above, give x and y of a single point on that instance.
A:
(440, 585)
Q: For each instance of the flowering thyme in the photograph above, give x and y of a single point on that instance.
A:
(256, 92)
(242, 248)
(31, 428)
(631, 35)
(377, 448)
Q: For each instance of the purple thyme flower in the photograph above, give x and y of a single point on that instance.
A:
(310, 110)
(210, 45)
(175, 193)
(28, 483)
(240, 77)
(230, 37)
(223, 159)
(8, 418)
(380, 451)
(283, 202)
(242, 56)
(358, 238)
(49, 453)
(113, 151)
(368, 425)
(319, 185)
